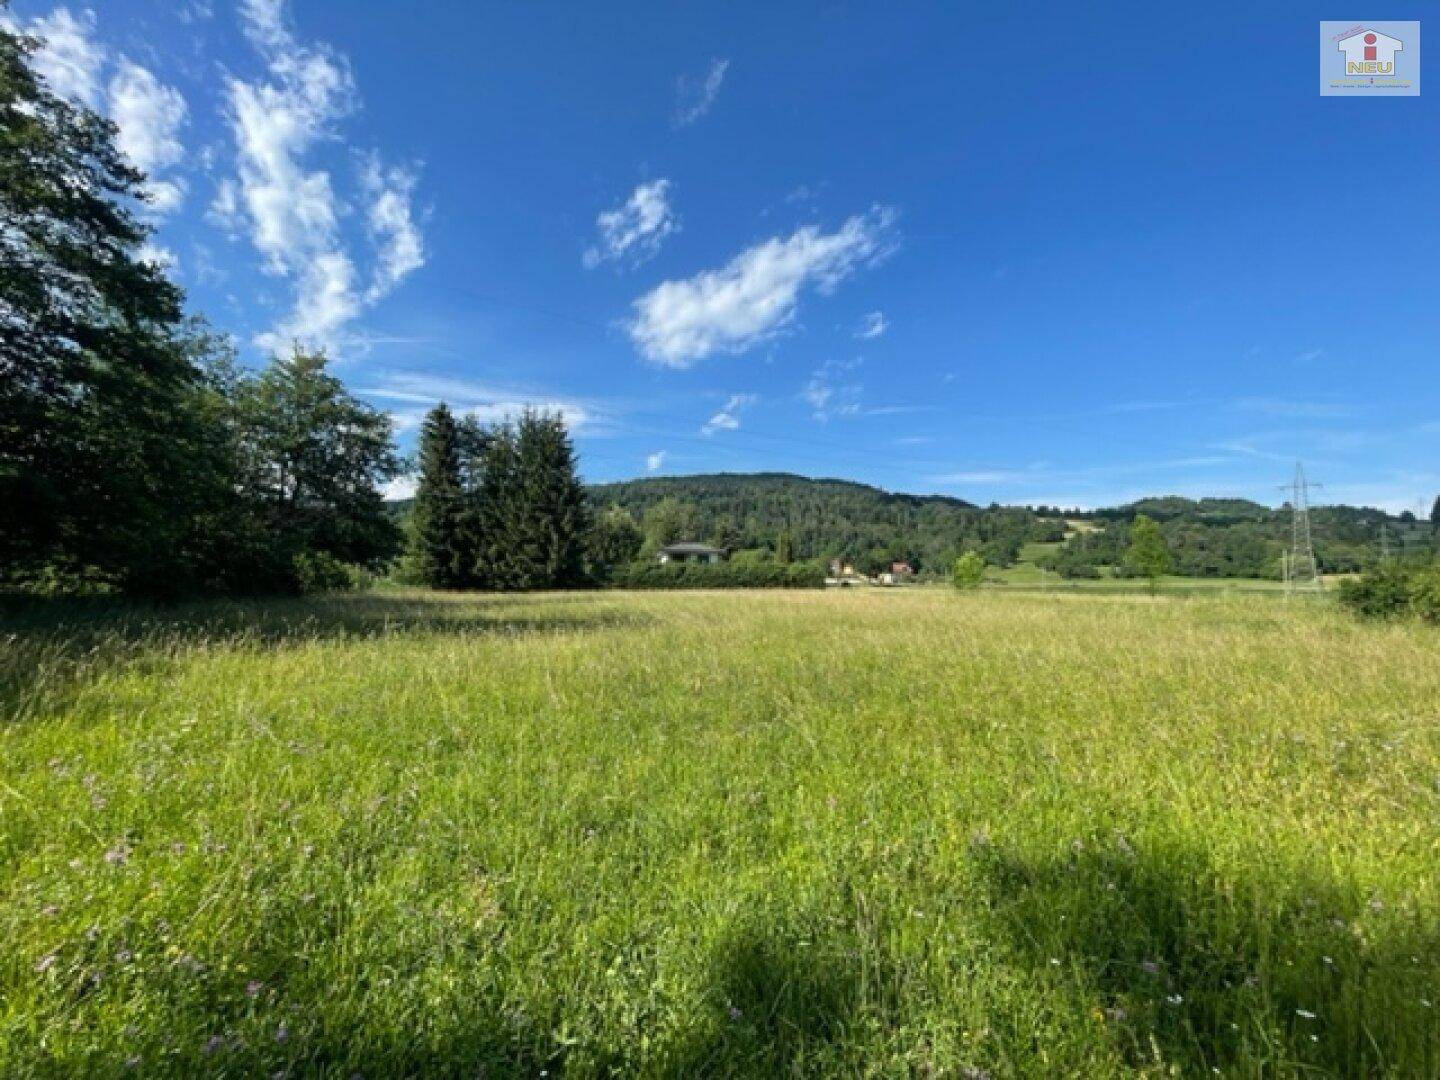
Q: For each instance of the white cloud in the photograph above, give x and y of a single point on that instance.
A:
(415, 393)
(288, 205)
(831, 392)
(636, 230)
(873, 326)
(756, 293)
(399, 247)
(69, 58)
(149, 116)
(728, 418)
(654, 462)
(695, 96)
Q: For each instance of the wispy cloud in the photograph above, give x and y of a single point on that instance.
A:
(148, 114)
(634, 231)
(399, 248)
(695, 96)
(69, 58)
(290, 206)
(1311, 410)
(654, 462)
(873, 326)
(728, 418)
(832, 390)
(411, 395)
(757, 293)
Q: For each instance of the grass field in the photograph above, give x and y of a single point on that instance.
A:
(879, 832)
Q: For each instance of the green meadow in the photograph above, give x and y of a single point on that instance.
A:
(865, 833)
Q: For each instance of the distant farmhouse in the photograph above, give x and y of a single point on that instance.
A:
(688, 552)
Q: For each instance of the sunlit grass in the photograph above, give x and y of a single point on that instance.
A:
(870, 832)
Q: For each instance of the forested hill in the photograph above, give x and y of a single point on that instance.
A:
(820, 517)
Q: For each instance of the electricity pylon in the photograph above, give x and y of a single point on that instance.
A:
(1302, 572)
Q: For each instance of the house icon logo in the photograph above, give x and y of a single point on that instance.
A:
(1369, 52)
(1370, 59)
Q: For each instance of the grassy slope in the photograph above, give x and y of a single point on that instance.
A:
(723, 834)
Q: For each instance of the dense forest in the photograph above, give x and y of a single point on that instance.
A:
(827, 518)
(809, 519)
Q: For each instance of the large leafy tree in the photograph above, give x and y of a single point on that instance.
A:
(101, 445)
(314, 460)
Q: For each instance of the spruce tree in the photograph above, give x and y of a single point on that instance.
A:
(534, 507)
(438, 526)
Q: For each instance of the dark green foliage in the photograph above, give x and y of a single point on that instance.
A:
(316, 572)
(1147, 555)
(824, 519)
(536, 512)
(1380, 592)
(438, 526)
(784, 547)
(668, 521)
(1393, 588)
(614, 540)
(312, 462)
(1425, 592)
(1435, 513)
(105, 460)
(725, 575)
(502, 507)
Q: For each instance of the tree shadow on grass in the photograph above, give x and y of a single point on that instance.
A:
(49, 649)
(1290, 974)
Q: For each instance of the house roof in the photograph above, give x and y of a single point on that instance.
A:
(689, 547)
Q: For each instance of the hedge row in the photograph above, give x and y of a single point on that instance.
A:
(718, 576)
(1392, 589)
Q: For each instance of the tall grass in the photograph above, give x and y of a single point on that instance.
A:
(873, 833)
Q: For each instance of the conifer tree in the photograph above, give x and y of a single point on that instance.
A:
(439, 534)
(547, 516)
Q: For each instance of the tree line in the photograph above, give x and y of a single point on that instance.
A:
(499, 506)
(137, 455)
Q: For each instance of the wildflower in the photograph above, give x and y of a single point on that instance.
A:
(124, 956)
(1305, 1014)
(735, 1014)
(1115, 1014)
(119, 855)
(46, 962)
(213, 1043)
(50, 911)
(282, 1033)
(1174, 999)
(133, 1061)
(253, 988)
(1150, 967)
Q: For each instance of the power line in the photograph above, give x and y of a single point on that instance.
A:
(1301, 571)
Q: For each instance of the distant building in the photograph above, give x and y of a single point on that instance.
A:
(688, 552)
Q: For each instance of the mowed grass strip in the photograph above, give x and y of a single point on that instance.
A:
(865, 833)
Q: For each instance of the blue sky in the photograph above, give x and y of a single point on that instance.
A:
(1074, 258)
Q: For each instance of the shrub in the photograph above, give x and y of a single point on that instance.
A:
(969, 570)
(644, 575)
(1425, 593)
(1381, 592)
(320, 572)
